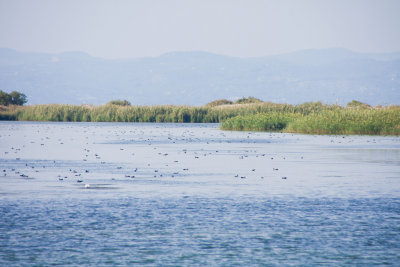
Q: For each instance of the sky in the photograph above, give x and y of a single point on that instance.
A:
(248, 28)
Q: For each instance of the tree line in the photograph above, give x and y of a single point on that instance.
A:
(13, 98)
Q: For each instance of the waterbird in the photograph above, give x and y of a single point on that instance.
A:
(87, 185)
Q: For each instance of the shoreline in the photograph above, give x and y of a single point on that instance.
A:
(307, 118)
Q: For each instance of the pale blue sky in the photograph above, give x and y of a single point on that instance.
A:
(128, 29)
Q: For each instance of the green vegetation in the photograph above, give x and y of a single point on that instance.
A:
(382, 121)
(110, 113)
(219, 102)
(118, 113)
(273, 121)
(248, 100)
(357, 104)
(13, 98)
(243, 100)
(314, 118)
(310, 118)
(119, 103)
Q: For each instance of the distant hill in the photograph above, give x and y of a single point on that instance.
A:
(196, 78)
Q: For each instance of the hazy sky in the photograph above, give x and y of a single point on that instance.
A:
(127, 29)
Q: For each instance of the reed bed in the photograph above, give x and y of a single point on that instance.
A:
(310, 118)
(163, 113)
(272, 121)
(114, 113)
(349, 121)
(355, 121)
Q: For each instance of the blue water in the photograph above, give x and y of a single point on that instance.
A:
(304, 200)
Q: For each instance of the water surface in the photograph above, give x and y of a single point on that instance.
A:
(191, 194)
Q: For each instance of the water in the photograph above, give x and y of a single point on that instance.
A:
(191, 194)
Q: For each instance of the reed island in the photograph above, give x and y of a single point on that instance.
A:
(245, 114)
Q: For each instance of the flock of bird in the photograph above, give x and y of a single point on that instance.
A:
(168, 154)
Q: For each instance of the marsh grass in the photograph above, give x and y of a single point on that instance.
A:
(272, 121)
(311, 118)
(118, 113)
(383, 121)
(334, 120)
(112, 113)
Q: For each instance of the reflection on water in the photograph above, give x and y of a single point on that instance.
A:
(188, 194)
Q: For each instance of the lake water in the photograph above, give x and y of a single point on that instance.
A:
(193, 195)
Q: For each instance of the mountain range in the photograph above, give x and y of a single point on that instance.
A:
(196, 78)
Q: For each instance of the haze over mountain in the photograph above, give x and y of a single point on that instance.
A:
(196, 78)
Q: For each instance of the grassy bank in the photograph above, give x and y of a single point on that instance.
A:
(165, 113)
(383, 121)
(312, 118)
(362, 121)
(273, 121)
(117, 113)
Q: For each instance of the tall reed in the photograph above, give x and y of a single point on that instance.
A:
(334, 120)
(349, 121)
(118, 113)
(273, 121)
(312, 117)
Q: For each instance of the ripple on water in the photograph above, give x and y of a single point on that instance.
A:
(201, 231)
(152, 194)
